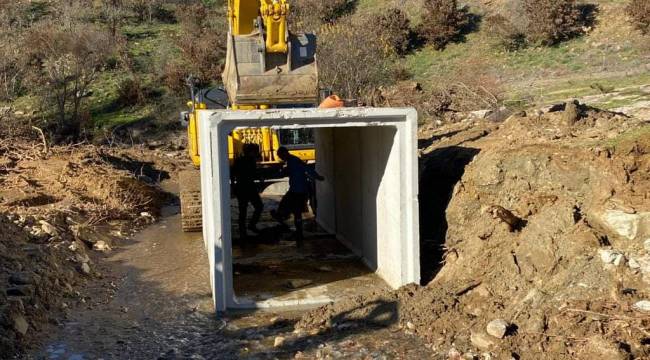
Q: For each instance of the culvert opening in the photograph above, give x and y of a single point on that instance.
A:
(442, 169)
(364, 234)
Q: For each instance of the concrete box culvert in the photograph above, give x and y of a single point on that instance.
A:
(369, 199)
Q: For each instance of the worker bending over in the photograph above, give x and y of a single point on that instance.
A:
(246, 191)
(294, 202)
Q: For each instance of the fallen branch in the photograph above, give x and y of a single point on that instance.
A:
(46, 146)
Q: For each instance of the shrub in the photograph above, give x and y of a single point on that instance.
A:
(394, 29)
(510, 37)
(13, 68)
(309, 15)
(202, 59)
(443, 22)
(552, 21)
(639, 12)
(130, 92)
(349, 63)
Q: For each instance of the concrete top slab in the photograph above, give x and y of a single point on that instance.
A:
(311, 118)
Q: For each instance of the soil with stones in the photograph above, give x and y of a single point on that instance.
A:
(535, 245)
(60, 209)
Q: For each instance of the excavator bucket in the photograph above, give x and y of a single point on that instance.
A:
(254, 77)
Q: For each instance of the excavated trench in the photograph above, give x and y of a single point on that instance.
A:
(442, 169)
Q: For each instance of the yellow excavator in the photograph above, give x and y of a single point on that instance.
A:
(267, 66)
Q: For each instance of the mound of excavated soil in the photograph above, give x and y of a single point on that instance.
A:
(85, 181)
(49, 209)
(542, 221)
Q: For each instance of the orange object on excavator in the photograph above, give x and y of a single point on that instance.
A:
(332, 102)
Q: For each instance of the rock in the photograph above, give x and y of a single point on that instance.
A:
(481, 114)
(571, 113)
(454, 354)
(325, 269)
(481, 340)
(101, 246)
(19, 113)
(20, 324)
(36, 232)
(643, 305)
(279, 341)
(76, 245)
(410, 325)
(49, 228)
(646, 245)
(85, 268)
(634, 264)
(89, 235)
(624, 224)
(298, 283)
(498, 328)
(81, 258)
(620, 260)
(611, 256)
(146, 214)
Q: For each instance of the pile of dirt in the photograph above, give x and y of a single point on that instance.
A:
(542, 224)
(60, 208)
(37, 279)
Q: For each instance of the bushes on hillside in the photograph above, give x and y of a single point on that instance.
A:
(394, 29)
(552, 21)
(510, 37)
(350, 63)
(12, 69)
(309, 15)
(202, 59)
(443, 22)
(68, 62)
(541, 22)
(639, 12)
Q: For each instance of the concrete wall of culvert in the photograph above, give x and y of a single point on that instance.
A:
(360, 198)
(369, 199)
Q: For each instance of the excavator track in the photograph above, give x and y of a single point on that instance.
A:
(190, 196)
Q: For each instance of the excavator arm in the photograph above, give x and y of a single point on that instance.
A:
(267, 65)
(245, 17)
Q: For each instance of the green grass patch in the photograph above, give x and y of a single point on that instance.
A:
(640, 134)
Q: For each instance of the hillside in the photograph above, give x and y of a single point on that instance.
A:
(609, 55)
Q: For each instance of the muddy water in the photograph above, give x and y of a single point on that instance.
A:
(154, 302)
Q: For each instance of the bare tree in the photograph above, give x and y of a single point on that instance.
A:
(70, 60)
(113, 13)
(144, 9)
